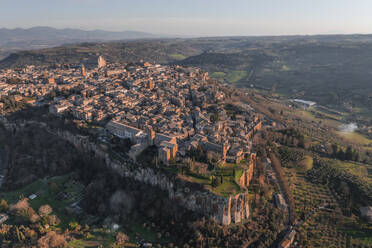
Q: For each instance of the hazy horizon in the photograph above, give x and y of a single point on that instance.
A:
(183, 35)
(194, 18)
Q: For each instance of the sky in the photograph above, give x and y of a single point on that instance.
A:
(194, 17)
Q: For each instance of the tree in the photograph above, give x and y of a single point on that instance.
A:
(31, 234)
(53, 220)
(349, 153)
(215, 182)
(22, 210)
(34, 218)
(121, 238)
(53, 186)
(301, 142)
(341, 155)
(334, 149)
(20, 237)
(45, 210)
(74, 226)
(51, 239)
(3, 206)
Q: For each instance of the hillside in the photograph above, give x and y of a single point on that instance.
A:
(161, 51)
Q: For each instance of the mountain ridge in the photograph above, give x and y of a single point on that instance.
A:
(41, 33)
(17, 39)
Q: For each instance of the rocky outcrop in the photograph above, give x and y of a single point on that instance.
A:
(225, 210)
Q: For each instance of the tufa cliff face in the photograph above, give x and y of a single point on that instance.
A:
(247, 175)
(224, 210)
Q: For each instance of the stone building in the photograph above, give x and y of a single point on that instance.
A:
(167, 145)
(101, 62)
(57, 109)
(83, 71)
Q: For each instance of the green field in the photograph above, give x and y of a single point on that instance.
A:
(334, 121)
(177, 56)
(231, 76)
(357, 169)
(355, 137)
(218, 74)
(235, 76)
(227, 188)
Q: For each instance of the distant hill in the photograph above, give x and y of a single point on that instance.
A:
(159, 51)
(43, 37)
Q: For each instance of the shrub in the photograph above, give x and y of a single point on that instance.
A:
(31, 234)
(51, 239)
(121, 238)
(45, 210)
(34, 218)
(53, 220)
(74, 226)
(22, 209)
(21, 205)
(53, 186)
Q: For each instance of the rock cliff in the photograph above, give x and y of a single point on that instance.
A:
(225, 210)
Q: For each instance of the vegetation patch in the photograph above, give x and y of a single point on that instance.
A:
(307, 163)
(355, 137)
(235, 76)
(58, 192)
(177, 56)
(218, 74)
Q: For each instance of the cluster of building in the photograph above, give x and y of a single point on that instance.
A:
(174, 108)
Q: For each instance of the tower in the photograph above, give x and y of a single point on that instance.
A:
(101, 62)
(83, 71)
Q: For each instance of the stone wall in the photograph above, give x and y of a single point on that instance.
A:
(225, 210)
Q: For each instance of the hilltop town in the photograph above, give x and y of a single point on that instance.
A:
(174, 108)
